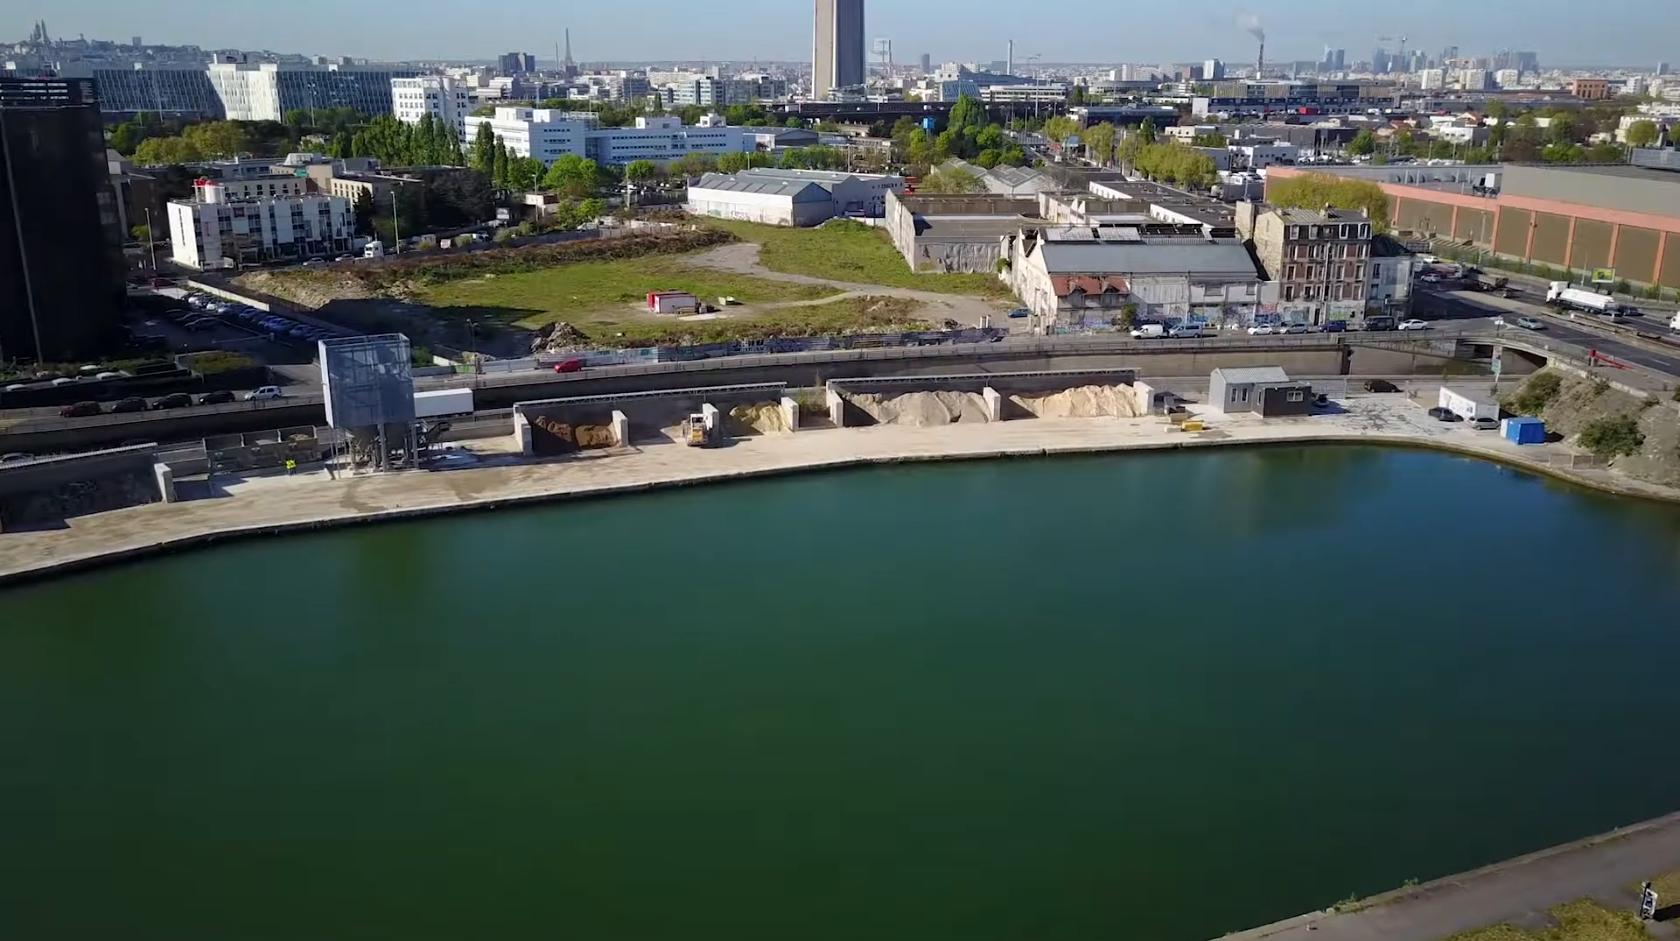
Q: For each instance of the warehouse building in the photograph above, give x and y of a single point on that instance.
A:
(956, 233)
(792, 197)
(1580, 218)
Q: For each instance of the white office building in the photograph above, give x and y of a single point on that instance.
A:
(1507, 78)
(212, 231)
(265, 91)
(436, 95)
(549, 134)
(1432, 79)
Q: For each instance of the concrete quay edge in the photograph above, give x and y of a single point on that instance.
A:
(69, 565)
(1456, 880)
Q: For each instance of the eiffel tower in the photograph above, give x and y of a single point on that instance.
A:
(568, 68)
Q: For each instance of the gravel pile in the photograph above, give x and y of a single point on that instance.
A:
(757, 418)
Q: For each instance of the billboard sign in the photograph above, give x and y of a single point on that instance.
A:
(1604, 276)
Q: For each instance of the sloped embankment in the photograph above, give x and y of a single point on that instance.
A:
(1590, 411)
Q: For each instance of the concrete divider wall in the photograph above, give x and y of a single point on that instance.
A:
(55, 489)
(790, 412)
(563, 426)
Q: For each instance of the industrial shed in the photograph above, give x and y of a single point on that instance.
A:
(956, 233)
(791, 197)
(1265, 390)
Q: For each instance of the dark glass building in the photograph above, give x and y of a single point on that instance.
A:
(61, 243)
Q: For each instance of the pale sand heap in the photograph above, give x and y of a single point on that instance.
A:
(758, 418)
(1083, 402)
(921, 409)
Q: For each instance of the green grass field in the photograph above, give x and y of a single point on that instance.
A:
(853, 253)
(592, 291)
(847, 315)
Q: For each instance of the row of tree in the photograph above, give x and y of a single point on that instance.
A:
(394, 143)
(152, 140)
(1317, 190)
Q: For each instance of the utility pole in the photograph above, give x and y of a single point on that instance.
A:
(396, 234)
(151, 239)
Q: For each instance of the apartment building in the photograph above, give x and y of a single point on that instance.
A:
(1319, 258)
(548, 134)
(1592, 89)
(437, 95)
(213, 231)
(265, 91)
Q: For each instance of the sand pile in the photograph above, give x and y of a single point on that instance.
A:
(1083, 402)
(923, 408)
(593, 436)
(757, 418)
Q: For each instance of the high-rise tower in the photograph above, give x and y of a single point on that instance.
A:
(839, 54)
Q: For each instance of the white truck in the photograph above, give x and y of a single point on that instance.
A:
(374, 249)
(1675, 323)
(1562, 295)
(437, 403)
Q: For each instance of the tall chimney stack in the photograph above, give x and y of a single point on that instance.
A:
(1260, 65)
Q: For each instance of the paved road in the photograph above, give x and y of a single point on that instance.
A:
(1471, 304)
(1518, 890)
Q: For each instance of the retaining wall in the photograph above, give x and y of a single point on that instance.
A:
(996, 389)
(565, 426)
(50, 491)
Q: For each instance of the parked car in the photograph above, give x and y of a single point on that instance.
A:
(264, 393)
(1412, 325)
(1335, 326)
(1292, 328)
(1430, 278)
(1531, 323)
(63, 381)
(570, 365)
(215, 398)
(177, 400)
(1444, 414)
(1187, 331)
(12, 457)
(1261, 330)
(79, 410)
(133, 403)
(1380, 385)
(1148, 330)
(1484, 423)
(1019, 312)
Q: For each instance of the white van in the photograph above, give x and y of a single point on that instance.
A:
(1675, 323)
(1144, 331)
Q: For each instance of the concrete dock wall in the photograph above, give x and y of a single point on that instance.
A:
(564, 426)
(50, 491)
(969, 397)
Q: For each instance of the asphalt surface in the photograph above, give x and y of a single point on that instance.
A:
(1518, 891)
(1450, 306)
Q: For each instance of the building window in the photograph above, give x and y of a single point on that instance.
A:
(1296, 396)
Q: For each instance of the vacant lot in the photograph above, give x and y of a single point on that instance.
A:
(843, 316)
(610, 292)
(849, 252)
(1577, 921)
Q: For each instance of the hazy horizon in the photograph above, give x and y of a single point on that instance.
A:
(1295, 30)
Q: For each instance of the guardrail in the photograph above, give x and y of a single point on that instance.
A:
(142, 418)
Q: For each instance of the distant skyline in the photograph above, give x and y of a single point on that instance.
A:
(1634, 33)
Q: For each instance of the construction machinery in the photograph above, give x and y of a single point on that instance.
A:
(696, 432)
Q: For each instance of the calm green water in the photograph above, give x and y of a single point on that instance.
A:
(1137, 697)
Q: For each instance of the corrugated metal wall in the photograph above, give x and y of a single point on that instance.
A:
(1591, 248)
(1513, 232)
(1636, 253)
(1551, 239)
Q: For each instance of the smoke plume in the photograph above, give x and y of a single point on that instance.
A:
(1251, 23)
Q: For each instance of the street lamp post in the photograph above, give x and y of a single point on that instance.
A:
(151, 239)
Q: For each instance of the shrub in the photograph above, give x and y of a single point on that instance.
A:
(1536, 394)
(1612, 437)
(217, 361)
(1600, 386)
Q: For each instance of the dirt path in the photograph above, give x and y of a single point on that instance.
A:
(742, 258)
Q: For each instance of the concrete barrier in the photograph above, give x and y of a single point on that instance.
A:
(994, 404)
(790, 413)
(567, 425)
(522, 433)
(165, 482)
(836, 406)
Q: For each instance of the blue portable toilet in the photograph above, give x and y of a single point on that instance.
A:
(1525, 431)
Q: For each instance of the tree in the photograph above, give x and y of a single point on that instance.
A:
(1561, 130)
(951, 180)
(697, 164)
(142, 233)
(1099, 143)
(482, 156)
(159, 151)
(1604, 152)
(340, 146)
(500, 160)
(967, 113)
(1059, 129)
(641, 171)
(1076, 97)
(1363, 144)
(364, 212)
(1146, 131)
(219, 139)
(736, 162)
(1317, 190)
(457, 200)
(1214, 140)
(524, 173)
(919, 153)
(1642, 134)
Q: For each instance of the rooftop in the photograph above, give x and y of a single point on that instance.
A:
(1315, 216)
(768, 186)
(1255, 375)
(1201, 209)
(1224, 259)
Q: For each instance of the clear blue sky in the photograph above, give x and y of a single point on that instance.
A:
(1630, 32)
